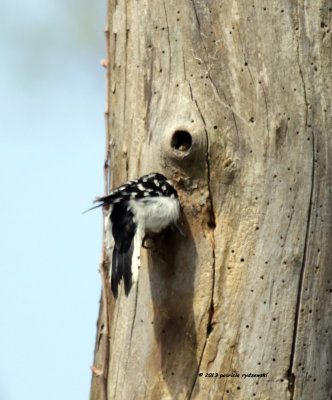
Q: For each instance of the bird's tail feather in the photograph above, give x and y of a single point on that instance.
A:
(136, 255)
(125, 260)
(116, 273)
(122, 267)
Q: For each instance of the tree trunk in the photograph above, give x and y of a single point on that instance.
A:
(232, 102)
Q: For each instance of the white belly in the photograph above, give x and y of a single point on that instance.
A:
(155, 213)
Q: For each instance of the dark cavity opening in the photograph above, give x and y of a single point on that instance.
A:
(181, 140)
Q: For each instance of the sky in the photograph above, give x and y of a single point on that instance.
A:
(52, 146)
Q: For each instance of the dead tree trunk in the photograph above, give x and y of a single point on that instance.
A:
(232, 102)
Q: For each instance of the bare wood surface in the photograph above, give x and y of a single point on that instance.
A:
(249, 289)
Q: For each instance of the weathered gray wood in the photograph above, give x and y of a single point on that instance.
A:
(249, 289)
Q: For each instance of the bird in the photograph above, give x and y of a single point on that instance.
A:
(138, 209)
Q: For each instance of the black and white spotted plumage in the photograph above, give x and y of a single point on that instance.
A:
(138, 208)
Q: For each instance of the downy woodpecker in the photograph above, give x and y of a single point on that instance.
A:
(138, 208)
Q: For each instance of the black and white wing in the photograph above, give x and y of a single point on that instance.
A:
(148, 204)
(152, 185)
(123, 242)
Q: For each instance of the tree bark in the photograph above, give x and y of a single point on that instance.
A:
(248, 291)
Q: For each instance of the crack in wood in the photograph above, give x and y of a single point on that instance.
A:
(301, 74)
(212, 225)
(135, 310)
(289, 224)
(244, 56)
(227, 105)
(267, 119)
(197, 19)
(169, 44)
(132, 325)
(117, 372)
(230, 369)
(291, 375)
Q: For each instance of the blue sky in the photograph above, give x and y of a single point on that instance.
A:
(52, 144)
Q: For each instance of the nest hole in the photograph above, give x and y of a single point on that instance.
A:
(181, 141)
